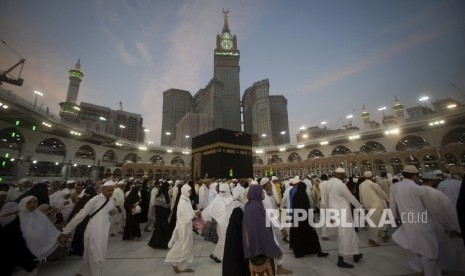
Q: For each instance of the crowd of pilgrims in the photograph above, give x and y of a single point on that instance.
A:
(46, 221)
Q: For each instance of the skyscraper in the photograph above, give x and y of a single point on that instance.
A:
(69, 109)
(226, 70)
(218, 105)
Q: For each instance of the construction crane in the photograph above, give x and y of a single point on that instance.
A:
(4, 74)
(458, 89)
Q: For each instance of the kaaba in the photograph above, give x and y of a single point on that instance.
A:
(222, 153)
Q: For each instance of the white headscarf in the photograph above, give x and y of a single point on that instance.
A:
(40, 234)
(224, 187)
(8, 213)
(185, 190)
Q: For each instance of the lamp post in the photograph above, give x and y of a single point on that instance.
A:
(38, 93)
(424, 99)
(187, 140)
(282, 135)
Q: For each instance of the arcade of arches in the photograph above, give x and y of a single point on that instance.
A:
(410, 150)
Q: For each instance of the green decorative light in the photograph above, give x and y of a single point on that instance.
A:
(3, 163)
(230, 172)
(17, 122)
(7, 155)
(33, 128)
(13, 134)
(76, 74)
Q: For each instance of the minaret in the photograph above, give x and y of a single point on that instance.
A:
(69, 109)
(365, 117)
(226, 70)
(398, 110)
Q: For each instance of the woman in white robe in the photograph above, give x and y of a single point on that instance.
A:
(217, 209)
(40, 234)
(181, 244)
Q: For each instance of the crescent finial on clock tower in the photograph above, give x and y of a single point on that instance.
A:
(225, 26)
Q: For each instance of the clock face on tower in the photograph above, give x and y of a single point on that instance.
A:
(226, 44)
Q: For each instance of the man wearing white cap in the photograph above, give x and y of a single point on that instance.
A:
(117, 224)
(217, 209)
(444, 215)
(451, 187)
(415, 235)
(373, 197)
(100, 209)
(340, 198)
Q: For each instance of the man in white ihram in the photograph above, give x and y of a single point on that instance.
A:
(101, 209)
(414, 234)
(372, 197)
(340, 199)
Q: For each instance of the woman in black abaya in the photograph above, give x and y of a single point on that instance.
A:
(131, 205)
(161, 232)
(304, 239)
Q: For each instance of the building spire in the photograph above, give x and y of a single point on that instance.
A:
(225, 25)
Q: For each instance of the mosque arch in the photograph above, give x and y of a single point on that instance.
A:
(52, 146)
(315, 154)
(340, 150)
(411, 142)
(372, 147)
(257, 160)
(413, 160)
(274, 159)
(294, 157)
(131, 158)
(129, 173)
(11, 138)
(139, 174)
(450, 159)
(157, 160)
(396, 165)
(109, 156)
(85, 152)
(177, 161)
(366, 165)
(107, 172)
(430, 162)
(117, 174)
(455, 136)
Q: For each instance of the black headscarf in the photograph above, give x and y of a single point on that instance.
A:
(301, 200)
(165, 186)
(131, 199)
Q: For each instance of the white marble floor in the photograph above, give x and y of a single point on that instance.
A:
(137, 258)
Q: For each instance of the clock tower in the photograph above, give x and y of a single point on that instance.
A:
(226, 70)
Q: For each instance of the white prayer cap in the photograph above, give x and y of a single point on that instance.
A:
(177, 182)
(264, 181)
(185, 190)
(430, 175)
(253, 182)
(45, 181)
(109, 182)
(273, 178)
(170, 181)
(367, 174)
(410, 169)
(121, 182)
(340, 170)
(71, 181)
(437, 172)
(23, 180)
(66, 191)
(160, 180)
(234, 180)
(131, 178)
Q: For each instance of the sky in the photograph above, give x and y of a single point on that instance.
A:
(328, 58)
